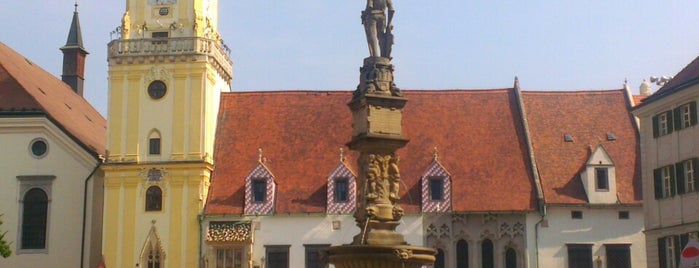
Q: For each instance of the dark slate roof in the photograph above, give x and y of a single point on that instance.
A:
(26, 87)
(687, 77)
(588, 116)
(75, 37)
(478, 133)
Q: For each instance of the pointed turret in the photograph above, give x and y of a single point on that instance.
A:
(74, 55)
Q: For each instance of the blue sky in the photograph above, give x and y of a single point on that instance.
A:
(444, 44)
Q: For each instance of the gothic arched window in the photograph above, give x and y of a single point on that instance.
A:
(462, 254)
(439, 259)
(510, 258)
(154, 199)
(487, 254)
(34, 219)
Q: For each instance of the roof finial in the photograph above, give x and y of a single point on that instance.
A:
(76, 6)
(435, 154)
(259, 155)
(342, 155)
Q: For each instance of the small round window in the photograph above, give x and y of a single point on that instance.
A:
(38, 148)
(157, 89)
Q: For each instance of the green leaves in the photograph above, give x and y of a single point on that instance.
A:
(4, 246)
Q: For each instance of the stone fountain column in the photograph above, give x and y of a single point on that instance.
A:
(377, 110)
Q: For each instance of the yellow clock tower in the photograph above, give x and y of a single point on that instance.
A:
(167, 69)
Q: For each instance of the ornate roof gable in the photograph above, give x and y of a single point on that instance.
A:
(437, 174)
(262, 201)
(342, 172)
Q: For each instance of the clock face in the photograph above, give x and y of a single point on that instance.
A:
(162, 2)
(157, 89)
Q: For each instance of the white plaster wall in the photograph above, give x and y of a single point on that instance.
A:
(300, 230)
(599, 226)
(69, 163)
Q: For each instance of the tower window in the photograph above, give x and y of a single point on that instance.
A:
(341, 190)
(154, 146)
(160, 35)
(154, 199)
(259, 190)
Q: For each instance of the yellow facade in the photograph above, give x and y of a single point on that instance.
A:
(161, 137)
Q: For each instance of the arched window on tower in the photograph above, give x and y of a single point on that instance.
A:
(510, 258)
(154, 199)
(34, 219)
(462, 254)
(154, 143)
(439, 259)
(487, 254)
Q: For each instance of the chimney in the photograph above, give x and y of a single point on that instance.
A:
(74, 55)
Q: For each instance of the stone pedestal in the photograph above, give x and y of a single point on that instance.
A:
(377, 111)
(376, 78)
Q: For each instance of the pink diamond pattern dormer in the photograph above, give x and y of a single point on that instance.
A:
(260, 190)
(342, 189)
(436, 188)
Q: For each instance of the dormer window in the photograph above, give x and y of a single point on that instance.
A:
(341, 190)
(599, 178)
(602, 179)
(437, 188)
(259, 188)
(341, 195)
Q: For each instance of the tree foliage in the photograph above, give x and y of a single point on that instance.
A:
(4, 245)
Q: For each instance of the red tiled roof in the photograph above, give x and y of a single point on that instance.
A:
(25, 86)
(478, 133)
(637, 99)
(588, 116)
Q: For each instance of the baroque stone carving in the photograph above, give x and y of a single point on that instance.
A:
(376, 78)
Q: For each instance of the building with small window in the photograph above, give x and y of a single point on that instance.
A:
(670, 147)
(493, 183)
(50, 179)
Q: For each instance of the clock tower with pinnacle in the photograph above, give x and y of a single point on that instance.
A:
(167, 68)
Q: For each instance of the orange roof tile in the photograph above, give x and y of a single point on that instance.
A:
(478, 132)
(24, 86)
(588, 116)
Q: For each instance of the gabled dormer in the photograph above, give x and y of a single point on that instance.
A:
(260, 189)
(342, 189)
(599, 178)
(436, 187)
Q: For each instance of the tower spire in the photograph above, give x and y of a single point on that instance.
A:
(74, 55)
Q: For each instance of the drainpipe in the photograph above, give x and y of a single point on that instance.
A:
(201, 236)
(87, 180)
(542, 210)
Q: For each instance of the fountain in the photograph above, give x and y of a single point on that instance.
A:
(377, 109)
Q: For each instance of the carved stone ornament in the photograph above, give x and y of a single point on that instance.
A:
(376, 78)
